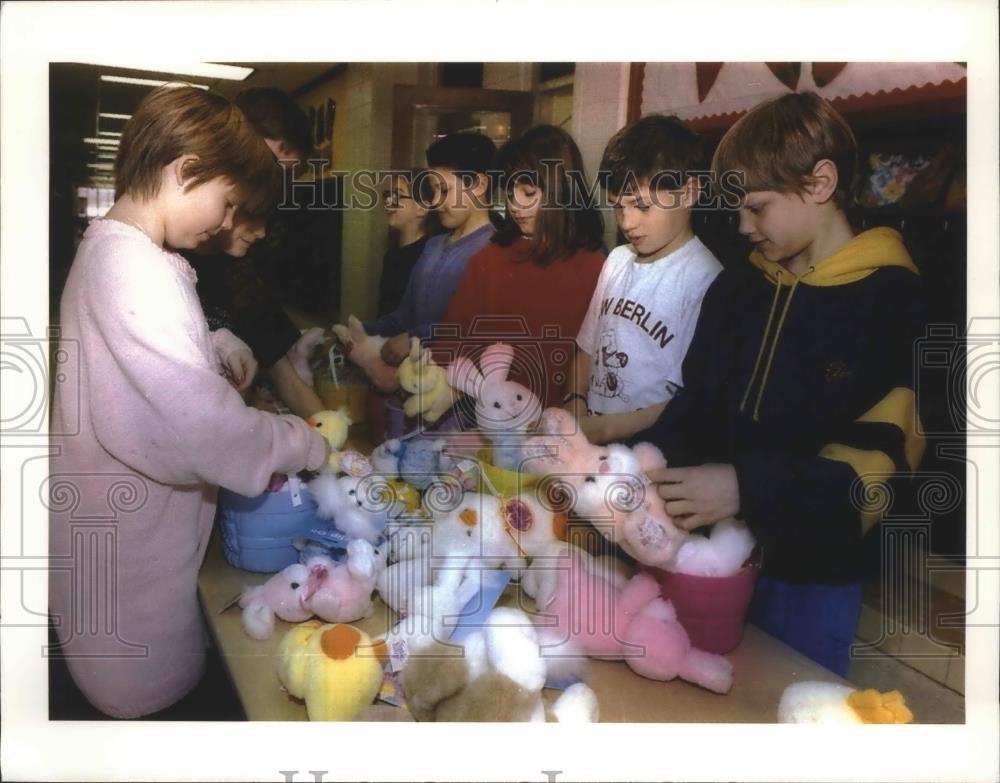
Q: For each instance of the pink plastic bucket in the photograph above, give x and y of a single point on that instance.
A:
(713, 610)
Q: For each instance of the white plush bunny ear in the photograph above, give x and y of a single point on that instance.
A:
(360, 559)
(649, 456)
(463, 376)
(258, 618)
(415, 349)
(496, 361)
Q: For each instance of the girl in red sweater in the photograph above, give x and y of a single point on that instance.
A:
(532, 284)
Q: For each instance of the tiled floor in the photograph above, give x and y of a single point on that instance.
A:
(910, 638)
(929, 701)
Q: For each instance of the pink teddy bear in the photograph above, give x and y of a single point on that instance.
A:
(583, 612)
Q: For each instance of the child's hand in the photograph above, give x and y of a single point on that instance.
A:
(698, 496)
(241, 368)
(396, 349)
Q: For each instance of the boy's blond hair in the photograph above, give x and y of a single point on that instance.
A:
(777, 144)
(175, 121)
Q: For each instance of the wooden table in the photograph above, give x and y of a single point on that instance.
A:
(763, 667)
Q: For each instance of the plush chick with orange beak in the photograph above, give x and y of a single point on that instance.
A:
(335, 668)
(827, 702)
(332, 425)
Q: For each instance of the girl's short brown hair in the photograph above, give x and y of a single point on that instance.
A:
(547, 158)
(778, 143)
(175, 121)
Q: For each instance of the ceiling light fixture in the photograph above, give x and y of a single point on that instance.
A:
(91, 140)
(109, 116)
(100, 166)
(236, 73)
(149, 82)
(107, 133)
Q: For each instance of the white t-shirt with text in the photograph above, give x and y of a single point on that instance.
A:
(640, 323)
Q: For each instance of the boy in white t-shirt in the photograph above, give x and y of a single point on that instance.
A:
(644, 309)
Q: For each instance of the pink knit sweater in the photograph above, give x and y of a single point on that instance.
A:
(156, 429)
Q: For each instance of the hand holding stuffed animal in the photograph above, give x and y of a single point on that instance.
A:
(610, 488)
(505, 410)
(299, 353)
(366, 352)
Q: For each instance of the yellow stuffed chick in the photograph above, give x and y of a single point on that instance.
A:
(335, 668)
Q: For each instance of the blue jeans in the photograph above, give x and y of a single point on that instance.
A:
(818, 620)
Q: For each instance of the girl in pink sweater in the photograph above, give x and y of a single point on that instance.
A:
(156, 426)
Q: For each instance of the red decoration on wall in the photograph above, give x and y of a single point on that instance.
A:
(787, 73)
(824, 73)
(706, 74)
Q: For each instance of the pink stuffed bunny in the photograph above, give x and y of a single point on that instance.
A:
(557, 447)
(365, 351)
(342, 593)
(613, 492)
(337, 593)
(284, 594)
(584, 610)
(505, 410)
(608, 486)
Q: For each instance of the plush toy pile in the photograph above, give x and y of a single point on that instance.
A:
(428, 556)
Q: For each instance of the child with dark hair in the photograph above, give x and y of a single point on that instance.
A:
(458, 173)
(155, 426)
(533, 282)
(798, 401)
(231, 290)
(279, 120)
(410, 217)
(643, 312)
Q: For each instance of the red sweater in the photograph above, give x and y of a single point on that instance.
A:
(504, 297)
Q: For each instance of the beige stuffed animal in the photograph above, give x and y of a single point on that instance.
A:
(497, 675)
(427, 382)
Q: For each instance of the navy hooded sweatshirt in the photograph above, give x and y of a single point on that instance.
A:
(805, 385)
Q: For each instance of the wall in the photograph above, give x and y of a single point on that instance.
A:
(509, 76)
(362, 140)
(600, 101)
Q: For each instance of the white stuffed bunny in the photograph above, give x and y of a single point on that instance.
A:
(722, 553)
(352, 503)
(505, 410)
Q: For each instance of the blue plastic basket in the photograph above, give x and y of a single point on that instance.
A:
(257, 532)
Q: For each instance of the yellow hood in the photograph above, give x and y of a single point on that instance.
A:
(868, 251)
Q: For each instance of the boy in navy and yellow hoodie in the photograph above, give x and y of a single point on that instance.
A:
(798, 404)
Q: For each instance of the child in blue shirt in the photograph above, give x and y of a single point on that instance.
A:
(458, 167)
